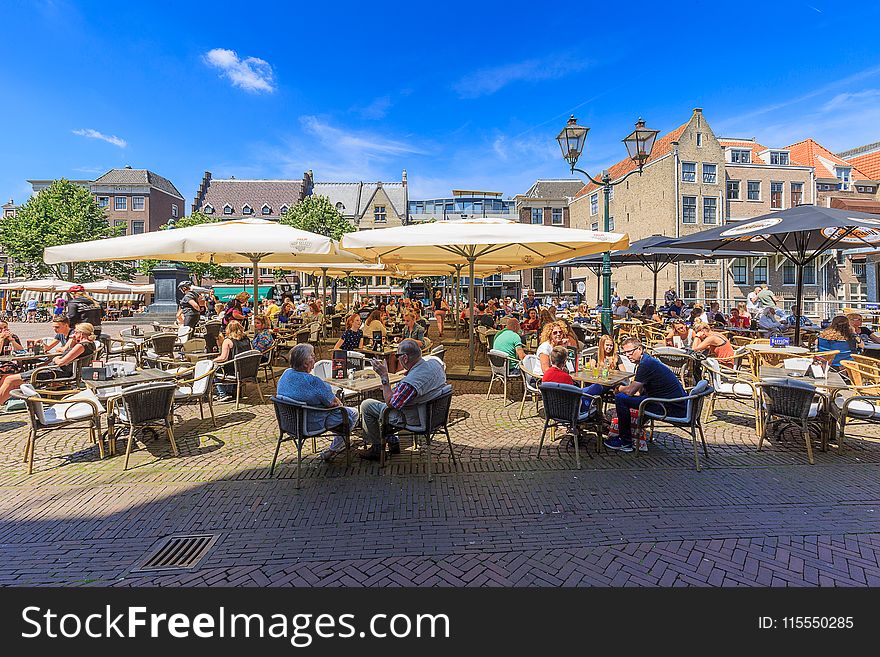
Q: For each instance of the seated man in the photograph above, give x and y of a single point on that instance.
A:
(422, 378)
(299, 385)
(653, 379)
(61, 327)
(768, 322)
(509, 341)
(484, 318)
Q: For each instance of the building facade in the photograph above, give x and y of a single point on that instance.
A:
(462, 205)
(243, 198)
(368, 204)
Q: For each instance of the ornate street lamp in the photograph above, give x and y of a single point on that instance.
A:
(639, 144)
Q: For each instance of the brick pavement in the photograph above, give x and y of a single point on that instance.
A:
(501, 518)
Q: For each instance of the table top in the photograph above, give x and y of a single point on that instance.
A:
(386, 351)
(614, 377)
(140, 376)
(832, 382)
(363, 384)
(768, 349)
(24, 357)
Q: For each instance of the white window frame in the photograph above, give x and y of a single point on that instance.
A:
(594, 226)
(699, 139)
(139, 221)
(792, 268)
(744, 155)
(695, 205)
(208, 209)
(710, 200)
(694, 172)
(117, 199)
(380, 215)
(748, 191)
(781, 195)
(745, 269)
(756, 264)
(228, 207)
(284, 209)
(594, 204)
(684, 287)
(247, 209)
(105, 204)
(779, 155)
(536, 213)
(714, 174)
(134, 204)
(265, 207)
(175, 212)
(791, 194)
(706, 296)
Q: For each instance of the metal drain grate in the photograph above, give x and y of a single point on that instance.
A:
(179, 552)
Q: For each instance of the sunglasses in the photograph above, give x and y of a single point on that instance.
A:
(557, 333)
(627, 352)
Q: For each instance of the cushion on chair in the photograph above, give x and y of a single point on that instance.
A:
(59, 413)
(814, 409)
(860, 409)
(738, 389)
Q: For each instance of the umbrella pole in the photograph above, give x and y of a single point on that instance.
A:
(598, 285)
(456, 290)
(324, 289)
(471, 310)
(654, 298)
(256, 264)
(799, 300)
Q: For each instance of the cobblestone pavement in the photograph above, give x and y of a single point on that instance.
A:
(503, 517)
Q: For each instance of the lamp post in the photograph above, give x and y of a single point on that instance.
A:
(639, 144)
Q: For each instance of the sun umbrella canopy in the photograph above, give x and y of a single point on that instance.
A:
(39, 285)
(236, 242)
(108, 286)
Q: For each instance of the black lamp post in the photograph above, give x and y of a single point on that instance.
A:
(639, 144)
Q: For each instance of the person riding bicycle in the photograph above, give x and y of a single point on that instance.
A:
(82, 308)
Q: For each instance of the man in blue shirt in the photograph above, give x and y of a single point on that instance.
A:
(653, 379)
(299, 385)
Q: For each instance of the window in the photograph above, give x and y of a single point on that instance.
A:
(810, 274)
(740, 156)
(246, 209)
(859, 270)
(841, 258)
(760, 271)
(610, 223)
(137, 202)
(710, 210)
(711, 290)
(227, 209)
(776, 195)
(208, 209)
(843, 175)
(379, 216)
(733, 190)
(710, 173)
(710, 261)
(537, 215)
(689, 171)
(699, 139)
(594, 204)
(121, 203)
(740, 271)
(754, 190)
(789, 273)
(103, 201)
(137, 227)
(797, 193)
(538, 280)
(556, 216)
(284, 209)
(611, 194)
(121, 223)
(689, 209)
(594, 225)
(779, 157)
(689, 291)
(174, 209)
(266, 209)
(823, 187)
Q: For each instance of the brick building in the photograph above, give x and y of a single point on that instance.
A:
(368, 204)
(244, 198)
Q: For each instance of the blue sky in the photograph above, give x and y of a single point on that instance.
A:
(462, 95)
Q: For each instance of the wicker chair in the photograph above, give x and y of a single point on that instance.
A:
(292, 418)
(161, 345)
(679, 361)
(143, 406)
(439, 351)
(46, 414)
(500, 365)
(791, 401)
(267, 366)
(213, 330)
(245, 369)
(562, 407)
(433, 412)
(530, 370)
(58, 382)
(730, 384)
(197, 387)
(690, 420)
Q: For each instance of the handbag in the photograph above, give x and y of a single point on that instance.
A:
(10, 367)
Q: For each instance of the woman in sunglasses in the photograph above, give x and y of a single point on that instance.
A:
(555, 334)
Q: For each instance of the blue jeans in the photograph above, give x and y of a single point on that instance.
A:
(592, 389)
(623, 403)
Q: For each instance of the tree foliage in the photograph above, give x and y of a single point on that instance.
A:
(199, 270)
(62, 213)
(317, 214)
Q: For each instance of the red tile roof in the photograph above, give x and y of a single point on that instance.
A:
(808, 152)
(869, 163)
(754, 146)
(663, 146)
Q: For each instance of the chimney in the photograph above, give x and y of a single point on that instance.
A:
(698, 110)
(403, 176)
(128, 166)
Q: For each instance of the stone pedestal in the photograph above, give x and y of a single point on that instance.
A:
(166, 277)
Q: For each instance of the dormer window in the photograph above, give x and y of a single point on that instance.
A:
(208, 209)
(284, 209)
(779, 157)
(246, 209)
(844, 175)
(740, 156)
(267, 209)
(227, 209)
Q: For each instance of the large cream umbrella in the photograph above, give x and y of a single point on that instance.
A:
(108, 286)
(39, 285)
(487, 241)
(239, 242)
(356, 266)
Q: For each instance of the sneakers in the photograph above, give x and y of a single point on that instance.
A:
(643, 445)
(371, 454)
(617, 445)
(393, 448)
(224, 399)
(330, 453)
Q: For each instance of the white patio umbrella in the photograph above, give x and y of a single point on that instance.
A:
(108, 286)
(249, 242)
(39, 285)
(487, 241)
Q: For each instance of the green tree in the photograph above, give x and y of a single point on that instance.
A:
(199, 270)
(63, 213)
(317, 214)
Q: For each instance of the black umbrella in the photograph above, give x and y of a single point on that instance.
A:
(654, 253)
(801, 234)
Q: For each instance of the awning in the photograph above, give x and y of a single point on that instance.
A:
(856, 205)
(228, 292)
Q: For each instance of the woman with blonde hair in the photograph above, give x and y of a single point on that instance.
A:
(555, 334)
(235, 342)
(607, 356)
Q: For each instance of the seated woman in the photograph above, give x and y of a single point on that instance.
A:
(698, 314)
(717, 317)
(413, 330)
(263, 338)
(235, 342)
(650, 314)
(707, 340)
(80, 345)
(297, 384)
(679, 335)
(352, 337)
(556, 334)
(9, 342)
(607, 356)
(531, 323)
(557, 372)
(374, 323)
(839, 336)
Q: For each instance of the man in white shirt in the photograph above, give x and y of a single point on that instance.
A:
(752, 304)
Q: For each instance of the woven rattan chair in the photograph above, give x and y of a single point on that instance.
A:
(530, 370)
(691, 419)
(45, 414)
(267, 364)
(245, 369)
(197, 387)
(679, 361)
(791, 401)
(292, 417)
(143, 406)
(161, 345)
(433, 412)
(213, 329)
(503, 368)
(562, 407)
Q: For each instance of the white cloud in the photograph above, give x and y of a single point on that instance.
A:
(349, 143)
(487, 81)
(378, 109)
(847, 100)
(94, 134)
(90, 169)
(251, 74)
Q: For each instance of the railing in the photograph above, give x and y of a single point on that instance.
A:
(814, 309)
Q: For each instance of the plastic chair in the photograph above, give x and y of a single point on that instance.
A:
(562, 407)
(690, 420)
